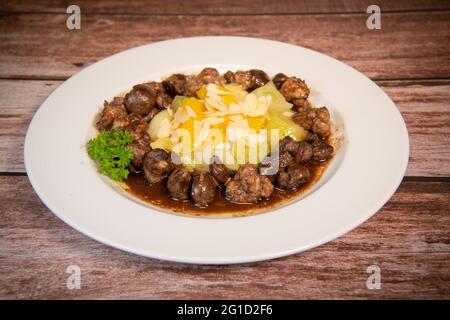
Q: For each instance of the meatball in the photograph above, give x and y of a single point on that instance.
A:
(220, 172)
(247, 186)
(301, 103)
(279, 79)
(175, 84)
(321, 128)
(304, 152)
(282, 145)
(139, 147)
(133, 123)
(321, 124)
(305, 117)
(268, 170)
(151, 114)
(210, 75)
(156, 87)
(322, 152)
(203, 189)
(294, 88)
(179, 182)
(117, 101)
(193, 84)
(157, 165)
(251, 79)
(140, 99)
(288, 144)
(293, 177)
(259, 78)
(323, 114)
(315, 119)
(285, 159)
(111, 111)
(229, 77)
(282, 180)
(163, 101)
(178, 84)
(244, 79)
(290, 153)
(312, 138)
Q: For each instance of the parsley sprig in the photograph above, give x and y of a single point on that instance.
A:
(109, 150)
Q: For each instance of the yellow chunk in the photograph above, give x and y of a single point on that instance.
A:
(256, 123)
(195, 104)
(198, 107)
(229, 98)
(201, 93)
(222, 127)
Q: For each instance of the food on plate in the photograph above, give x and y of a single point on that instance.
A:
(111, 153)
(212, 143)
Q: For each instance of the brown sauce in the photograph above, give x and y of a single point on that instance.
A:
(158, 196)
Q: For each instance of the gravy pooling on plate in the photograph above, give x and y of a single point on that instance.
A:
(211, 144)
(158, 196)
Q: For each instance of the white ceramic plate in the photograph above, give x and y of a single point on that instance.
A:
(365, 173)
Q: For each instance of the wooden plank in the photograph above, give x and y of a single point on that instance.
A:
(19, 101)
(408, 239)
(408, 45)
(220, 6)
(425, 107)
(423, 104)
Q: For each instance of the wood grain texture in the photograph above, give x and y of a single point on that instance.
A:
(220, 6)
(16, 112)
(408, 239)
(408, 45)
(425, 106)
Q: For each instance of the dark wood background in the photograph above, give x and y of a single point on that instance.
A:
(408, 238)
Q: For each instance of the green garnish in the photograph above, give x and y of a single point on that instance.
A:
(110, 152)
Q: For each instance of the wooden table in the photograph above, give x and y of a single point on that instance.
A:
(408, 238)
